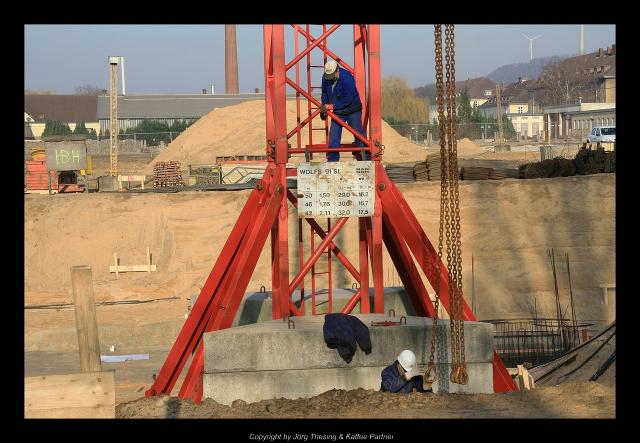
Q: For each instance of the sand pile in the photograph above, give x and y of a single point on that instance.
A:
(240, 130)
(467, 147)
(579, 400)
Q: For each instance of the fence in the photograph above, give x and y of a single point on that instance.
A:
(534, 341)
(150, 138)
(428, 134)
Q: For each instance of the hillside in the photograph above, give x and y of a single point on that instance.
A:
(531, 70)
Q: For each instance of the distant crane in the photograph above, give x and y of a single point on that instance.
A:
(499, 110)
(531, 39)
(113, 114)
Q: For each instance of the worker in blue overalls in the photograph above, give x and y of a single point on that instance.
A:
(339, 94)
(402, 375)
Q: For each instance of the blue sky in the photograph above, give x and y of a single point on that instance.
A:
(186, 59)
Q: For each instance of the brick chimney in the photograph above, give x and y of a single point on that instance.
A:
(230, 60)
(599, 52)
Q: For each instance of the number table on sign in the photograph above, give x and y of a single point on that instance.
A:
(336, 189)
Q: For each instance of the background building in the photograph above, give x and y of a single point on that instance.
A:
(69, 109)
(577, 120)
(167, 108)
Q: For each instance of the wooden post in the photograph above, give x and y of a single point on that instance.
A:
(86, 322)
(115, 258)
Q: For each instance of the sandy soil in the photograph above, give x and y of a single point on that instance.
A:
(240, 130)
(571, 400)
(507, 225)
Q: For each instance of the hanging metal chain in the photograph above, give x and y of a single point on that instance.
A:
(458, 372)
(430, 372)
(453, 309)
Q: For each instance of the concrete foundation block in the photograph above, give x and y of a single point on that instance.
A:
(108, 183)
(257, 306)
(269, 360)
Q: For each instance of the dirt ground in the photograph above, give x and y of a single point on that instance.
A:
(576, 399)
(507, 227)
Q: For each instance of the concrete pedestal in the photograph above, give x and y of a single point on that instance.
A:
(258, 306)
(270, 360)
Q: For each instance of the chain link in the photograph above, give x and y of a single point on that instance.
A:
(458, 374)
(430, 373)
(449, 226)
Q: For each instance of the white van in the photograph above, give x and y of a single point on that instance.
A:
(602, 134)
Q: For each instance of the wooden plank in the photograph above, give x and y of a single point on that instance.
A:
(86, 320)
(525, 380)
(84, 395)
(132, 268)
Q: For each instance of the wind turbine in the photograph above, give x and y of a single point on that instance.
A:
(531, 44)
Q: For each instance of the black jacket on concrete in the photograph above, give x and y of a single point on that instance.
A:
(343, 332)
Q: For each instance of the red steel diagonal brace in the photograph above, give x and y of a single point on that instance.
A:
(204, 306)
(235, 285)
(315, 43)
(321, 46)
(316, 254)
(406, 268)
(333, 116)
(334, 248)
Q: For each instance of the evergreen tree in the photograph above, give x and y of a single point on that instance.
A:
(54, 127)
(81, 129)
(464, 107)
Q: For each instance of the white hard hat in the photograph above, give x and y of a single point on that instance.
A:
(330, 68)
(407, 360)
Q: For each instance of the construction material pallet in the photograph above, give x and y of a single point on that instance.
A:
(167, 174)
(401, 172)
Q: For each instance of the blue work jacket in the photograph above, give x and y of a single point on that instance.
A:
(344, 332)
(344, 97)
(392, 381)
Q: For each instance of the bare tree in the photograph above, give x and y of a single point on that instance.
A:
(399, 102)
(40, 92)
(88, 90)
(565, 83)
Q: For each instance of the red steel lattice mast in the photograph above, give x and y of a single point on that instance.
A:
(266, 214)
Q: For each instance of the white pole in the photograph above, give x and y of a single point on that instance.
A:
(122, 71)
(581, 39)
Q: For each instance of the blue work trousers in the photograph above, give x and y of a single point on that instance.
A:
(335, 134)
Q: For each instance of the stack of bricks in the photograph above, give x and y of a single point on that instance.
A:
(167, 174)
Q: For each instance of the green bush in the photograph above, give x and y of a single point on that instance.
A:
(155, 131)
(54, 127)
(81, 129)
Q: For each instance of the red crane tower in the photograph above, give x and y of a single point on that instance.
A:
(266, 212)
